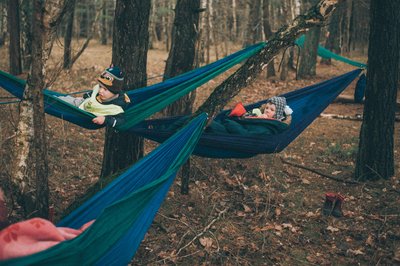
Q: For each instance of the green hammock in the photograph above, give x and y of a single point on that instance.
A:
(145, 101)
(325, 53)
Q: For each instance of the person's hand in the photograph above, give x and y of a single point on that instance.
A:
(99, 120)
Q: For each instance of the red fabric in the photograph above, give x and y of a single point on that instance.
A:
(333, 197)
(33, 235)
(238, 110)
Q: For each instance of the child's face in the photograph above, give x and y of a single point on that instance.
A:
(104, 93)
(270, 110)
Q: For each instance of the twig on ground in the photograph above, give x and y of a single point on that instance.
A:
(320, 173)
(357, 117)
(203, 231)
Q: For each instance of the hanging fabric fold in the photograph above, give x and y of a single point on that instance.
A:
(124, 210)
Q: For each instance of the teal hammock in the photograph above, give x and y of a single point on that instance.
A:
(145, 101)
(124, 210)
(325, 53)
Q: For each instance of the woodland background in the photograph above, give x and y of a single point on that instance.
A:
(253, 211)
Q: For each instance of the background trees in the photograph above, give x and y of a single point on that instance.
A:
(225, 26)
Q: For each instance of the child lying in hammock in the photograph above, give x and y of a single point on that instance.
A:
(107, 100)
(274, 108)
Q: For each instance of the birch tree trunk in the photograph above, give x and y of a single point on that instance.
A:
(30, 169)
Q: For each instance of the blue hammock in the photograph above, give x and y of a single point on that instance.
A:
(124, 210)
(307, 104)
(145, 101)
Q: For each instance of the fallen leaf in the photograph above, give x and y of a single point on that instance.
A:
(370, 240)
(246, 208)
(206, 242)
(336, 172)
(332, 229)
(278, 212)
(355, 252)
(305, 181)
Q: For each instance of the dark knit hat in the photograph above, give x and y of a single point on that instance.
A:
(113, 79)
(280, 103)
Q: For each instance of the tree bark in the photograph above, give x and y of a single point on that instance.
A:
(103, 25)
(182, 54)
(181, 59)
(308, 55)
(68, 35)
(254, 24)
(130, 46)
(26, 36)
(14, 31)
(375, 157)
(283, 38)
(333, 39)
(268, 34)
(30, 170)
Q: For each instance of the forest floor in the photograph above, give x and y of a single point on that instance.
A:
(257, 211)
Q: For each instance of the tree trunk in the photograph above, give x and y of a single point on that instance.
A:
(283, 38)
(30, 170)
(181, 59)
(103, 25)
(14, 31)
(345, 33)
(268, 34)
(130, 45)
(333, 39)
(26, 37)
(308, 55)
(254, 24)
(183, 50)
(375, 157)
(286, 53)
(68, 35)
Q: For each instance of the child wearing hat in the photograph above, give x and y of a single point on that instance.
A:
(107, 100)
(274, 108)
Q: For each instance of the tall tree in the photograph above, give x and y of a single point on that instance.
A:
(308, 55)
(30, 170)
(26, 34)
(375, 157)
(181, 59)
(254, 24)
(268, 33)
(68, 34)
(332, 42)
(182, 54)
(14, 31)
(129, 52)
